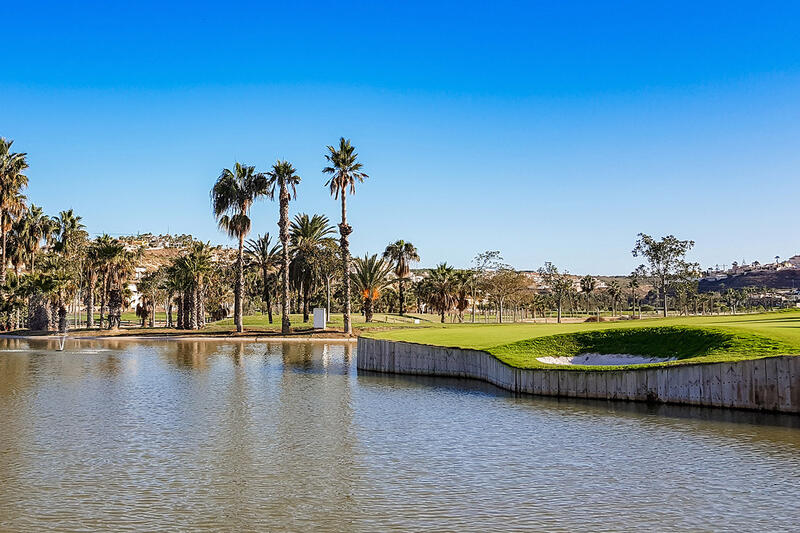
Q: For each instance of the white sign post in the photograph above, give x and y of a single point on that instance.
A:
(319, 318)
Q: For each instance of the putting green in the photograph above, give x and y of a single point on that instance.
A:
(689, 339)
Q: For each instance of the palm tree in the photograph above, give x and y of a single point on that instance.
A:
(284, 175)
(262, 254)
(401, 254)
(370, 276)
(345, 171)
(12, 181)
(122, 265)
(38, 227)
(462, 284)
(106, 248)
(614, 292)
(308, 236)
(231, 197)
(441, 284)
(92, 265)
(588, 284)
(70, 232)
(197, 264)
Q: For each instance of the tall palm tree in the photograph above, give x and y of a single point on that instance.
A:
(38, 227)
(345, 171)
(197, 264)
(92, 266)
(106, 248)
(401, 254)
(284, 175)
(441, 287)
(70, 234)
(308, 236)
(231, 198)
(370, 276)
(265, 256)
(12, 181)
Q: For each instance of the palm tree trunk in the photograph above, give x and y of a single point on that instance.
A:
(199, 303)
(345, 232)
(103, 297)
(473, 301)
(368, 309)
(283, 225)
(401, 294)
(267, 296)
(304, 287)
(3, 252)
(62, 317)
(328, 298)
(190, 318)
(180, 311)
(90, 300)
(239, 289)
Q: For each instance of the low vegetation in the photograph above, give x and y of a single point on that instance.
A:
(688, 339)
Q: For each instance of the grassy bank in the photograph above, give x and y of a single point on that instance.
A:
(259, 325)
(690, 339)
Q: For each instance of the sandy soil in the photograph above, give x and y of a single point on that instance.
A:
(604, 359)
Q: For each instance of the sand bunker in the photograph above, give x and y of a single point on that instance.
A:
(603, 359)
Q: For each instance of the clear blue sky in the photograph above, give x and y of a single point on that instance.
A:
(550, 133)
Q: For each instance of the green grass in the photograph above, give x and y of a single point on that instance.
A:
(685, 344)
(380, 321)
(691, 339)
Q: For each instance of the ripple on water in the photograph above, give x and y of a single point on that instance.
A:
(208, 436)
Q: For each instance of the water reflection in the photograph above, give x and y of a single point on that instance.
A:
(195, 435)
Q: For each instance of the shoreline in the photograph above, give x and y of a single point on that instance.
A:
(242, 338)
(763, 384)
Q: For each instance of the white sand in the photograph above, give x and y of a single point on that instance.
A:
(603, 359)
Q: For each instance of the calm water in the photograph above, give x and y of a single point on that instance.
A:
(147, 435)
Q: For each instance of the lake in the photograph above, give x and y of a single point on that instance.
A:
(206, 435)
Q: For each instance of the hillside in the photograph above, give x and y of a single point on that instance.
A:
(773, 279)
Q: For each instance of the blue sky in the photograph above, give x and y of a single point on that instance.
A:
(547, 131)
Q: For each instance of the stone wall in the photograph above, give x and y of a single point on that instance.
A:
(770, 384)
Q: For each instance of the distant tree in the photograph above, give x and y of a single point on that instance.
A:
(264, 255)
(345, 171)
(370, 276)
(308, 236)
(666, 258)
(634, 282)
(401, 254)
(441, 288)
(503, 284)
(481, 265)
(326, 265)
(614, 293)
(559, 284)
(462, 285)
(588, 284)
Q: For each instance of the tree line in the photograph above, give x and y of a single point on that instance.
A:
(51, 265)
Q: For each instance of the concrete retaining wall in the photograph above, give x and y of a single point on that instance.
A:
(771, 384)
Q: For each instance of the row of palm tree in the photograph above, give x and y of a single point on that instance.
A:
(232, 197)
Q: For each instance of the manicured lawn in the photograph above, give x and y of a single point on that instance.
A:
(380, 321)
(725, 338)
